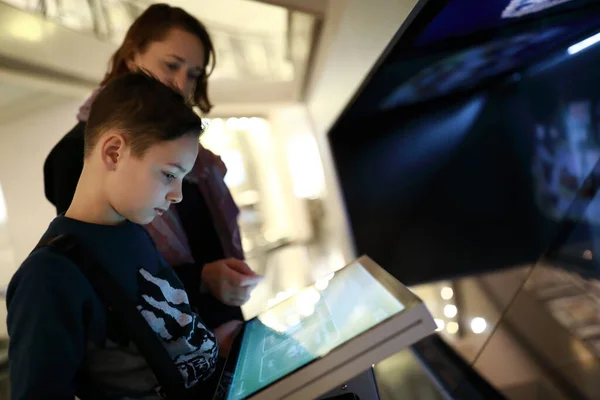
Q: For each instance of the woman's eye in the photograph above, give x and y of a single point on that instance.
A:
(193, 76)
(168, 176)
(172, 66)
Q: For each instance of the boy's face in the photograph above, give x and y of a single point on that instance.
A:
(141, 188)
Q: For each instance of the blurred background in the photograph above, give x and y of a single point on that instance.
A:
(455, 142)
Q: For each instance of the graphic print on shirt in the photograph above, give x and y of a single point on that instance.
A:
(168, 312)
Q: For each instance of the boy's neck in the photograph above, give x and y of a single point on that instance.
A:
(90, 205)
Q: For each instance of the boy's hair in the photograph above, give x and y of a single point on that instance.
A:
(144, 110)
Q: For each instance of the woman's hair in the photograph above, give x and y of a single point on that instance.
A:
(153, 25)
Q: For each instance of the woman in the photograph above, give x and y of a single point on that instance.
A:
(199, 237)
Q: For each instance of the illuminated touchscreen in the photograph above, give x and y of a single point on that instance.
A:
(309, 325)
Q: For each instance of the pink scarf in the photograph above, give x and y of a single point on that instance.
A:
(167, 231)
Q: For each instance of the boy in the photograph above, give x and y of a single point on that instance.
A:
(141, 140)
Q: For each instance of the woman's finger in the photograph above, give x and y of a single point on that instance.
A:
(239, 300)
(239, 292)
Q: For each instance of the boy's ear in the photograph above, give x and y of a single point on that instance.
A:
(113, 147)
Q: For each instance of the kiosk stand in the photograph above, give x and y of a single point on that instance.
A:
(361, 387)
(314, 341)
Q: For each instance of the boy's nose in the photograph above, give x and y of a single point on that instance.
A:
(175, 197)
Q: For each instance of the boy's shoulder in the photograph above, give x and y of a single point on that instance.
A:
(48, 261)
(46, 269)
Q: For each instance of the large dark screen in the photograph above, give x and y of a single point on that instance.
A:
(475, 182)
(412, 76)
(469, 67)
(465, 17)
(565, 153)
(478, 150)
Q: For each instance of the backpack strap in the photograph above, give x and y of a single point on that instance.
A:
(124, 309)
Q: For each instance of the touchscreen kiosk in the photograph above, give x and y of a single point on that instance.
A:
(324, 335)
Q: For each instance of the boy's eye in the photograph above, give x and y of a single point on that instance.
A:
(168, 176)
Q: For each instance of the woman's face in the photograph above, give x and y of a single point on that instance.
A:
(176, 60)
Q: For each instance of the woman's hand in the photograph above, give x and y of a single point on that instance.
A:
(231, 281)
(225, 335)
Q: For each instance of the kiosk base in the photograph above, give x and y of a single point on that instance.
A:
(361, 387)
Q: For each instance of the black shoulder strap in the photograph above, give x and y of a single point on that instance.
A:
(119, 304)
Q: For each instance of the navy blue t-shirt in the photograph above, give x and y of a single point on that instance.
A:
(62, 341)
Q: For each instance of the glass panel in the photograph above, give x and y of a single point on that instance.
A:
(403, 377)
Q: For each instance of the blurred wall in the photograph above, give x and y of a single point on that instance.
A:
(25, 142)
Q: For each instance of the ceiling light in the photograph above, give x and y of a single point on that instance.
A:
(584, 44)
(440, 324)
(231, 124)
(447, 293)
(478, 325)
(27, 28)
(450, 311)
(281, 296)
(322, 284)
(452, 327)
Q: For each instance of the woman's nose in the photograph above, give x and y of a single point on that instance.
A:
(180, 81)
